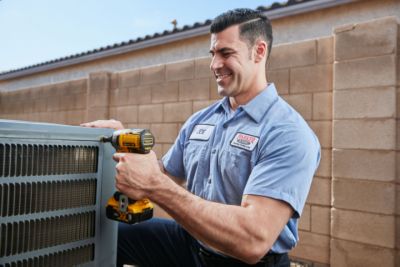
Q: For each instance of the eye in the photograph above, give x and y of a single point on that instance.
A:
(226, 54)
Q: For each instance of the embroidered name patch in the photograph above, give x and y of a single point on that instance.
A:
(245, 141)
(202, 132)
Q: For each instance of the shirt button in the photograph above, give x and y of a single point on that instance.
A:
(213, 151)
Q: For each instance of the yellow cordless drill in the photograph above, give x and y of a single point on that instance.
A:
(119, 206)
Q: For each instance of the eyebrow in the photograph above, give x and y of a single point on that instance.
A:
(222, 50)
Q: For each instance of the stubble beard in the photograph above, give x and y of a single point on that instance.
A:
(227, 89)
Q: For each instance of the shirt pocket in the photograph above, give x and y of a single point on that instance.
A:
(194, 157)
(236, 165)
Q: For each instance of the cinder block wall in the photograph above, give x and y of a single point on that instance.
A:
(365, 164)
(57, 103)
(347, 87)
(161, 97)
(303, 75)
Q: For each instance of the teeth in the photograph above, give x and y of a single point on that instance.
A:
(220, 78)
(222, 75)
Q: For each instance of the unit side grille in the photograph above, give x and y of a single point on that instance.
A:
(32, 197)
(49, 202)
(33, 160)
(66, 258)
(29, 235)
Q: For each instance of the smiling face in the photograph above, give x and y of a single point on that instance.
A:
(232, 63)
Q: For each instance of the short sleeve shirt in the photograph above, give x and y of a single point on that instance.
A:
(263, 148)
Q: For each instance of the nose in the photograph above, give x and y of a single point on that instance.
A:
(216, 63)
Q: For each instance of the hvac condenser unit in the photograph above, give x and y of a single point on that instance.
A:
(54, 184)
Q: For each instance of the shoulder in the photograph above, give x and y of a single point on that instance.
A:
(287, 129)
(291, 143)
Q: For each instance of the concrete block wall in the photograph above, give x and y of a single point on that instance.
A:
(56, 103)
(365, 185)
(346, 86)
(161, 97)
(303, 74)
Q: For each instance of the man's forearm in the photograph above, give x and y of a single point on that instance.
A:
(177, 180)
(220, 226)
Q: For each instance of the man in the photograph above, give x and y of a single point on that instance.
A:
(248, 161)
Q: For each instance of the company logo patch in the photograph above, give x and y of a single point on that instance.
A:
(202, 132)
(245, 141)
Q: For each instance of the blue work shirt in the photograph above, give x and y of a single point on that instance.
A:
(263, 148)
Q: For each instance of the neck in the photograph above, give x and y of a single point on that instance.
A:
(243, 99)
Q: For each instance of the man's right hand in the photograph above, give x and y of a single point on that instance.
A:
(112, 124)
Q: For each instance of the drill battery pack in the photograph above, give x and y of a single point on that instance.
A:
(123, 209)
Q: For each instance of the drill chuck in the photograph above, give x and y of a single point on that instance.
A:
(105, 139)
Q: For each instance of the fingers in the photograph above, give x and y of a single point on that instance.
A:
(129, 191)
(112, 124)
(121, 184)
(122, 181)
(121, 174)
(95, 124)
(117, 157)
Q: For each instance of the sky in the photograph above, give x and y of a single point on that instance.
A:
(35, 31)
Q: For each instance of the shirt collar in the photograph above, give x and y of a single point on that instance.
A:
(258, 106)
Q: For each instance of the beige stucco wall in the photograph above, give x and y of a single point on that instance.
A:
(295, 28)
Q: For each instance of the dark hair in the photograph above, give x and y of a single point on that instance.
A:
(252, 25)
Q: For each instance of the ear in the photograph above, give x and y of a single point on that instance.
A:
(260, 50)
